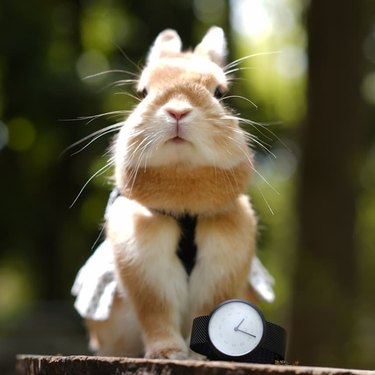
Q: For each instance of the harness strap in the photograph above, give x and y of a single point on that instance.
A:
(187, 248)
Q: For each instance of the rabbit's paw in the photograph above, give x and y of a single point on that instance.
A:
(167, 350)
(196, 356)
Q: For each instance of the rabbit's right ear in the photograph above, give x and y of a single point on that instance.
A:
(213, 46)
(167, 42)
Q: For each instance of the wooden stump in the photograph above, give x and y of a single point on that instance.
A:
(90, 365)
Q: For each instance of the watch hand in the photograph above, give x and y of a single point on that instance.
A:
(247, 333)
(236, 328)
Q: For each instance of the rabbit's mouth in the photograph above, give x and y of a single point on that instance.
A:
(177, 140)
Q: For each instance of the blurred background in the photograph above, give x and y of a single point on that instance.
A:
(312, 78)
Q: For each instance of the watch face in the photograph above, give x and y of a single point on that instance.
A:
(235, 328)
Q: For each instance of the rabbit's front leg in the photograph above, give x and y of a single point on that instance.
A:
(226, 246)
(145, 255)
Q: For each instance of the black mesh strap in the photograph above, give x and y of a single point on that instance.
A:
(274, 339)
(262, 355)
(199, 335)
(271, 350)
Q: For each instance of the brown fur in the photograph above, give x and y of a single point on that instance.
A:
(179, 189)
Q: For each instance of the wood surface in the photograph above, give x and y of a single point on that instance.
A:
(85, 365)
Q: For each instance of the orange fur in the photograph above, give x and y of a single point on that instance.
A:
(179, 189)
(227, 244)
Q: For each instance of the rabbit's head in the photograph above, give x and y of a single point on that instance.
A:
(182, 120)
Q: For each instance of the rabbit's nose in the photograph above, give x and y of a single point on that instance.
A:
(178, 114)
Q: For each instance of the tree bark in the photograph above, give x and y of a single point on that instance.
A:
(81, 365)
(325, 280)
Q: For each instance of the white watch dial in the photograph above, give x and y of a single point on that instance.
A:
(235, 328)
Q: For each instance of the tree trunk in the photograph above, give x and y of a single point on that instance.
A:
(80, 365)
(325, 279)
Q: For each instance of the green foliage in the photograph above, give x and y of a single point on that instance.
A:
(49, 50)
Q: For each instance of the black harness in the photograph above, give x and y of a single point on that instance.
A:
(187, 248)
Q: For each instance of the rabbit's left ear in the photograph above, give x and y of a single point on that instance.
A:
(213, 46)
(167, 42)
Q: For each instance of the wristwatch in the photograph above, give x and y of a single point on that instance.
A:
(237, 331)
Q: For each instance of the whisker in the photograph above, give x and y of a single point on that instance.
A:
(251, 123)
(93, 140)
(129, 95)
(251, 162)
(252, 139)
(109, 72)
(139, 161)
(120, 83)
(128, 59)
(234, 78)
(98, 173)
(124, 82)
(233, 70)
(139, 146)
(263, 126)
(92, 118)
(266, 201)
(240, 97)
(98, 133)
(147, 158)
(236, 62)
(98, 238)
(265, 181)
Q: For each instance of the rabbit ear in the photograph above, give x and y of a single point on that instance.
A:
(167, 42)
(213, 45)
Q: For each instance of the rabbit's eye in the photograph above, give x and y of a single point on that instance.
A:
(144, 93)
(218, 94)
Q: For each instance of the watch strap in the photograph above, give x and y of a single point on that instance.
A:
(261, 355)
(199, 335)
(272, 348)
(274, 339)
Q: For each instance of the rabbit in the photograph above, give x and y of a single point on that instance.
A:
(180, 155)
